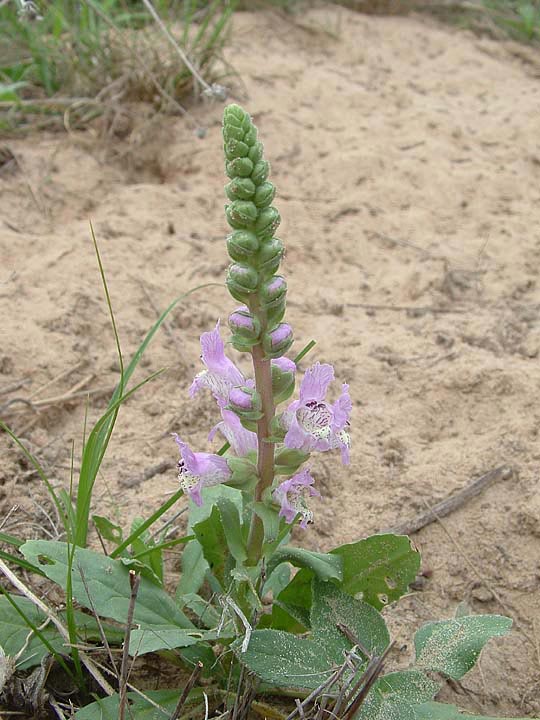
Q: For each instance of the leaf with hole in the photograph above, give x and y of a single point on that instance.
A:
(378, 569)
(107, 582)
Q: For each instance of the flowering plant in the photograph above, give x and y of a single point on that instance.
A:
(252, 613)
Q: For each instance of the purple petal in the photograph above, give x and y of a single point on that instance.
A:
(240, 439)
(316, 382)
(296, 436)
(213, 356)
(198, 470)
(342, 409)
(284, 364)
(221, 373)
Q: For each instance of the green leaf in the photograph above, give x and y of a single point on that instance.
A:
(333, 608)
(441, 711)
(151, 638)
(143, 547)
(194, 566)
(289, 460)
(213, 541)
(294, 601)
(452, 646)
(282, 659)
(378, 569)
(230, 520)
(396, 696)
(107, 708)
(107, 529)
(14, 631)
(325, 566)
(108, 582)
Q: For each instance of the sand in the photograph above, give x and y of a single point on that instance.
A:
(407, 161)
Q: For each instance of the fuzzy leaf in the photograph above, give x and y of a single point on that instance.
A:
(378, 569)
(108, 582)
(396, 696)
(441, 711)
(333, 608)
(285, 660)
(452, 646)
(14, 631)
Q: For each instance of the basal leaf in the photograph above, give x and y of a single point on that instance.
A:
(378, 569)
(14, 631)
(107, 708)
(441, 711)
(107, 581)
(335, 615)
(151, 638)
(452, 646)
(283, 659)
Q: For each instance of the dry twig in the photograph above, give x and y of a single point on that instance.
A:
(448, 505)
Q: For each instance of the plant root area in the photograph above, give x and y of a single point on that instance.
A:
(407, 160)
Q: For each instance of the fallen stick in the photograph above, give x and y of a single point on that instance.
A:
(149, 473)
(448, 505)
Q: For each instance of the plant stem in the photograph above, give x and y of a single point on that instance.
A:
(265, 461)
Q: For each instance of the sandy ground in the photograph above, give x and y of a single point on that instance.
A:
(407, 161)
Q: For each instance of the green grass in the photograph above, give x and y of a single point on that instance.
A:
(87, 56)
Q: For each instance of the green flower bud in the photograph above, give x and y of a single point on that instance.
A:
(242, 244)
(245, 324)
(240, 189)
(273, 291)
(255, 153)
(269, 257)
(231, 132)
(282, 384)
(267, 222)
(244, 472)
(260, 172)
(234, 115)
(289, 460)
(246, 403)
(235, 149)
(247, 125)
(264, 195)
(276, 342)
(250, 138)
(241, 214)
(241, 281)
(240, 167)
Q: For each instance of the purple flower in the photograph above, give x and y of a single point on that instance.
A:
(198, 470)
(221, 374)
(240, 439)
(292, 495)
(314, 424)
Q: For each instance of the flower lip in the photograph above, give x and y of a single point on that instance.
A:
(199, 470)
(292, 495)
(312, 423)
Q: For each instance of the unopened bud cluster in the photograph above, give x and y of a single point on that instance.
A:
(255, 252)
